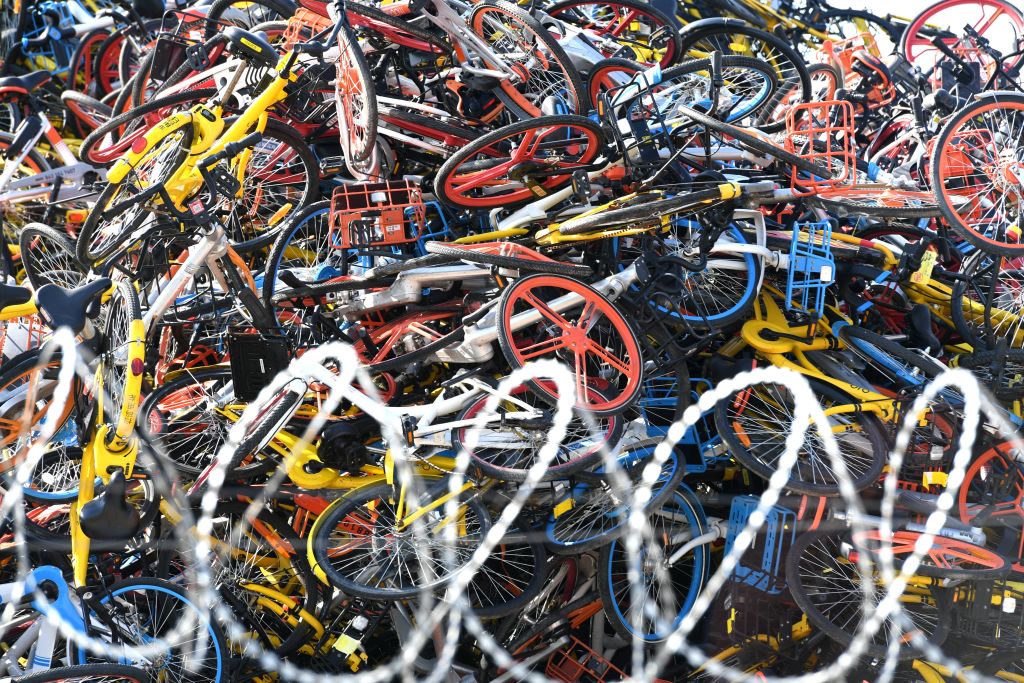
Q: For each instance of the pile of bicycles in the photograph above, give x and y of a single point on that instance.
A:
(456, 340)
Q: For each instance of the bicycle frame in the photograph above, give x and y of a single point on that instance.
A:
(70, 175)
(40, 638)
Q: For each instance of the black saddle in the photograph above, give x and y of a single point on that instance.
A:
(59, 307)
(28, 82)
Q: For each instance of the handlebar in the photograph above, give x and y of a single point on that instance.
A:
(232, 149)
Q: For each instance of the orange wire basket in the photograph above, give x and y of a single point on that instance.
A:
(302, 26)
(376, 214)
(822, 133)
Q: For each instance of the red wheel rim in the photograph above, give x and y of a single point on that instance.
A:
(945, 553)
(491, 186)
(576, 337)
(982, 15)
(615, 26)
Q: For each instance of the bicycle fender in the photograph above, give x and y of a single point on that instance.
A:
(142, 146)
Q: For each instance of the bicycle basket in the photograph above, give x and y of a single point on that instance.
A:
(761, 564)
(811, 268)
(821, 133)
(635, 115)
(991, 614)
(56, 54)
(173, 43)
(577, 661)
(302, 26)
(753, 616)
(255, 360)
(376, 214)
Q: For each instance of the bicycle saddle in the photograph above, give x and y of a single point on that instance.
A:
(149, 9)
(59, 307)
(920, 333)
(11, 295)
(251, 45)
(25, 84)
(109, 516)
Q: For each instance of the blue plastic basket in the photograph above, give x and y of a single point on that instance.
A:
(761, 566)
(57, 53)
(657, 405)
(811, 268)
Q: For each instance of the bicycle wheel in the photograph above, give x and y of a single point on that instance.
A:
(992, 492)
(984, 304)
(245, 14)
(748, 85)
(18, 214)
(115, 137)
(281, 171)
(586, 332)
(829, 589)
(666, 597)
(27, 394)
(999, 22)
(509, 445)
(624, 28)
(407, 339)
(868, 199)
(976, 174)
(510, 578)
(523, 45)
(364, 549)
(948, 558)
(898, 366)
(749, 423)
(147, 611)
(122, 379)
(734, 37)
(518, 163)
(80, 75)
(89, 112)
(254, 557)
(594, 512)
(88, 673)
(48, 257)
(355, 99)
(507, 255)
(118, 215)
(607, 74)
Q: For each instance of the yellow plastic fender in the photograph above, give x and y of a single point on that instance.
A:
(142, 146)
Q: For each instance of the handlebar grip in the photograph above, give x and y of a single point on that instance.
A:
(941, 46)
(232, 149)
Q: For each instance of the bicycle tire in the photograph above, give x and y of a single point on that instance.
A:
(619, 394)
(115, 597)
(101, 213)
(300, 159)
(279, 561)
(823, 544)
(446, 178)
(627, 216)
(38, 272)
(378, 495)
(673, 48)
(355, 105)
(197, 437)
(870, 199)
(598, 81)
(214, 16)
(593, 444)
(591, 515)
(88, 151)
(764, 464)
(686, 506)
(954, 568)
(561, 62)
(89, 112)
(510, 262)
(947, 160)
(725, 29)
(88, 673)
(82, 60)
(505, 555)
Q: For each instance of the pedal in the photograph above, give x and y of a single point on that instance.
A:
(332, 165)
